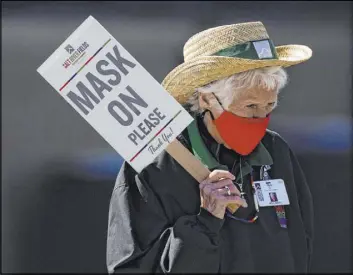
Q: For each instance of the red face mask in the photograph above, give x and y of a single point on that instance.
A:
(240, 133)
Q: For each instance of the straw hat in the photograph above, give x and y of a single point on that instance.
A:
(219, 52)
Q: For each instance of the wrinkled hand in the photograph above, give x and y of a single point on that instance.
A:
(214, 193)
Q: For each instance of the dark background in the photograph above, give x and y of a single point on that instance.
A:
(58, 173)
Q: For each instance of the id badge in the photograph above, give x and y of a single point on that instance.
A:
(271, 192)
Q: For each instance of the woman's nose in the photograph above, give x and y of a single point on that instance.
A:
(260, 115)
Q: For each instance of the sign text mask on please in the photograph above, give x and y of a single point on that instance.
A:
(115, 94)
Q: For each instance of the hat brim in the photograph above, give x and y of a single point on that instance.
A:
(182, 81)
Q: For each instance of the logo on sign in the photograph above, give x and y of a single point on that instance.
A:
(75, 54)
(69, 49)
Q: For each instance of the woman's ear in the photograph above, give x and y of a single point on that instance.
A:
(204, 101)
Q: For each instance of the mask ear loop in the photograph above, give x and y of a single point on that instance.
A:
(219, 102)
(218, 145)
(207, 110)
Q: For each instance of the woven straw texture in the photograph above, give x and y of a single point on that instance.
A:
(201, 68)
(215, 39)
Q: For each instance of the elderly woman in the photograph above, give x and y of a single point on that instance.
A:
(162, 220)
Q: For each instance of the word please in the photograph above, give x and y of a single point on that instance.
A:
(144, 128)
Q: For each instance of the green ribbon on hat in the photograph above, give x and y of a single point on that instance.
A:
(250, 50)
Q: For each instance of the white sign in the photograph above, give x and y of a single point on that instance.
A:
(112, 91)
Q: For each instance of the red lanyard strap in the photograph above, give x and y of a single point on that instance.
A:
(280, 211)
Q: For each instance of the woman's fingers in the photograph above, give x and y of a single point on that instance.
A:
(220, 183)
(216, 175)
(234, 199)
(222, 196)
(208, 187)
(233, 189)
(223, 191)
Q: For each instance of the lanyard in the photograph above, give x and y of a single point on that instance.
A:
(252, 220)
(280, 212)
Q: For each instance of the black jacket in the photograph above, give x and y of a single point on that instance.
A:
(155, 223)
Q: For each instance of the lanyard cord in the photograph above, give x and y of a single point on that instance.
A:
(241, 183)
(230, 215)
(242, 193)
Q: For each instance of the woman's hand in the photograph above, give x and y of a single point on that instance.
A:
(217, 191)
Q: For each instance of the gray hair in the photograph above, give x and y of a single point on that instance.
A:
(225, 89)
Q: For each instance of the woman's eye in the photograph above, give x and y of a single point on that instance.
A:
(271, 104)
(253, 106)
